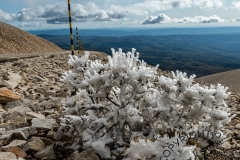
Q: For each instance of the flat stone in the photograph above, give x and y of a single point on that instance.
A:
(13, 125)
(14, 79)
(13, 104)
(15, 143)
(234, 122)
(35, 115)
(7, 96)
(21, 133)
(46, 153)
(7, 156)
(226, 145)
(43, 124)
(20, 109)
(34, 145)
(16, 117)
(88, 154)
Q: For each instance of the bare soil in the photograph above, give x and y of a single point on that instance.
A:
(17, 41)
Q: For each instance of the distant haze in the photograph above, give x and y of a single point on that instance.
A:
(140, 31)
(200, 51)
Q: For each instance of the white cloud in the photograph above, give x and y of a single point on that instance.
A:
(208, 4)
(6, 16)
(35, 24)
(199, 19)
(236, 4)
(162, 18)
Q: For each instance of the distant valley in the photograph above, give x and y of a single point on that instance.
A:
(199, 53)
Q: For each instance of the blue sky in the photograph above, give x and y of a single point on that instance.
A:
(38, 14)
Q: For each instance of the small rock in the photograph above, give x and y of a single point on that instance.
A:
(238, 136)
(2, 131)
(48, 111)
(7, 156)
(88, 154)
(51, 116)
(4, 139)
(7, 96)
(43, 124)
(21, 134)
(18, 152)
(13, 125)
(46, 152)
(16, 117)
(238, 126)
(14, 79)
(226, 145)
(234, 122)
(1, 108)
(46, 140)
(38, 78)
(32, 130)
(50, 135)
(34, 145)
(20, 109)
(237, 153)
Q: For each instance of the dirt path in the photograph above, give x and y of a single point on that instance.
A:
(12, 57)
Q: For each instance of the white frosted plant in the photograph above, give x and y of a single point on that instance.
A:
(109, 104)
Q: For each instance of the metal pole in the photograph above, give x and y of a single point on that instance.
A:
(77, 39)
(70, 26)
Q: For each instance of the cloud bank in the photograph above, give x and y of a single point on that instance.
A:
(162, 18)
(58, 13)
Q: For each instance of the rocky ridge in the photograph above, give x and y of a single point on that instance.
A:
(17, 41)
(27, 126)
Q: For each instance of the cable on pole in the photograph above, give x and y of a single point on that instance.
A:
(70, 26)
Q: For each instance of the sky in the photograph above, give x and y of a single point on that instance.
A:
(42, 14)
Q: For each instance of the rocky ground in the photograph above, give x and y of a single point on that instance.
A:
(28, 124)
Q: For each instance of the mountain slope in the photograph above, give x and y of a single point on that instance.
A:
(17, 41)
(231, 79)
